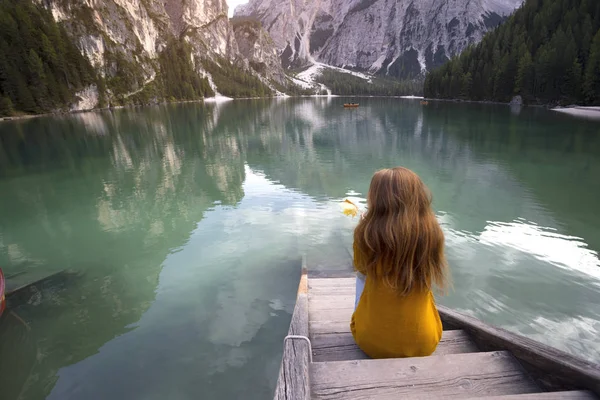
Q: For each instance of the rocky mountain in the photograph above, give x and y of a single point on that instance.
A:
(401, 38)
(148, 51)
(256, 46)
(140, 48)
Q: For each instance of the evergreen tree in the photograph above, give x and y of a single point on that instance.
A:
(180, 80)
(525, 74)
(48, 50)
(574, 80)
(36, 68)
(547, 51)
(40, 68)
(342, 83)
(467, 85)
(592, 72)
(24, 97)
(6, 107)
(234, 81)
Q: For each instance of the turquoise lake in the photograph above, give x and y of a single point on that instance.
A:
(183, 228)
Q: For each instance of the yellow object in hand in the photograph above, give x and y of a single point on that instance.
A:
(349, 208)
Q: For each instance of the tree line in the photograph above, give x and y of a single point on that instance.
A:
(40, 68)
(179, 79)
(548, 52)
(342, 83)
(234, 81)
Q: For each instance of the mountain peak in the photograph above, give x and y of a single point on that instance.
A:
(401, 38)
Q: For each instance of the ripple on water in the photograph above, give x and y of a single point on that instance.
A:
(544, 243)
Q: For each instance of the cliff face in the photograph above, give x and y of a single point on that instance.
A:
(123, 39)
(256, 46)
(402, 38)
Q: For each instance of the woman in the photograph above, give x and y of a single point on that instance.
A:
(399, 257)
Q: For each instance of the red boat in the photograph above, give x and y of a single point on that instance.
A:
(2, 297)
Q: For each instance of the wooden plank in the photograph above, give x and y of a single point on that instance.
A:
(344, 286)
(293, 382)
(319, 327)
(341, 346)
(339, 314)
(329, 302)
(332, 283)
(552, 368)
(454, 375)
(322, 295)
(568, 395)
(339, 291)
(332, 273)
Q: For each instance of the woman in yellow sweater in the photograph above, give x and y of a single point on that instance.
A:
(399, 258)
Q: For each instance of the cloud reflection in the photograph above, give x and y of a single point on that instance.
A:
(546, 244)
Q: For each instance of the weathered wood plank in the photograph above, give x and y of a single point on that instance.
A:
(339, 314)
(346, 283)
(341, 346)
(333, 288)
(552, 368)
(319, 327)
(329, 302)
(331, 273)
(293, 382)
(568, 395)
(332, 292)
(464, 375)
(331, 283)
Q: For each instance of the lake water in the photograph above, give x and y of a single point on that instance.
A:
(184, 228)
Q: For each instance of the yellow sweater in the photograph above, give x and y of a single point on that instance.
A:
(388, 325)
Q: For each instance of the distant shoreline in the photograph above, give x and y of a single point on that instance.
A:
(73, 112)
(218, 99)
(471, 101)
(587, 112)
(592, 112)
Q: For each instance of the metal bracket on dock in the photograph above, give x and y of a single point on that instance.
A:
(300, 337)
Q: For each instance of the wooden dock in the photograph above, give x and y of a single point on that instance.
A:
(473, 359)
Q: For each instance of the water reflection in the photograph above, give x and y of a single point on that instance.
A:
(113, 211)
(543, 243)
(187, 224)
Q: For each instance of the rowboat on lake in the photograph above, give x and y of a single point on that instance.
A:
(351, 105)
(19, 288)
(2, 296)
(473, 359)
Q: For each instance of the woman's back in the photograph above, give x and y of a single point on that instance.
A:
(399, 247)
(386, 324)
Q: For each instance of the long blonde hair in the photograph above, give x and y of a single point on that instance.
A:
(399, 239)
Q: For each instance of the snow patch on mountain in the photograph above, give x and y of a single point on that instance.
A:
(311, 73)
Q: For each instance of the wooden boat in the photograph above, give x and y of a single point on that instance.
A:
(473, 359)
(20, 355)
(351, 105)
(2, 296)
(20, 287)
